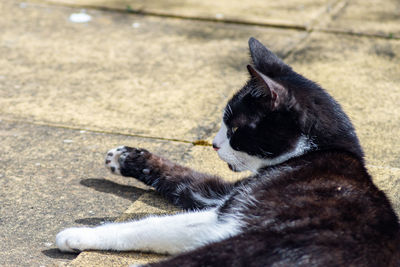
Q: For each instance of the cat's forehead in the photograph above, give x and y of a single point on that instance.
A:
(228, 114)
(235, 114)
(239, 109)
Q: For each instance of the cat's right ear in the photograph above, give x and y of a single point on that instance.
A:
(271, 89)
(264, 59)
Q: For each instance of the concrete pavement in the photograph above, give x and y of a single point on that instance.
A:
(159, 80)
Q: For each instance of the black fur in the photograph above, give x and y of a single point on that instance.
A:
(317, 209)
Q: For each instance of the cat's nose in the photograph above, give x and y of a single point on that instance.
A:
(215, 147)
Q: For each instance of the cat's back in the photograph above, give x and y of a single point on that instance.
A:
(327, 202)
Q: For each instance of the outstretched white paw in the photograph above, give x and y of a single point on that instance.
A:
(112, 158)
(76, 239)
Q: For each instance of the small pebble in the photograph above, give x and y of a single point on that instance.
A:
(80, 17)
(68, 141)
(82, 131)
(37, 164)
(136, 25)
(219, 16)
(48, 244)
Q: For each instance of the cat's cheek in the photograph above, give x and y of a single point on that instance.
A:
(223, 154)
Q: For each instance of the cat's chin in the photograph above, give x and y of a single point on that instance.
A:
(233, 168)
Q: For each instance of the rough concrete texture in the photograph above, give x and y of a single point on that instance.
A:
(104, 258)
(55, 178)
(374, 17)
(122, 75)
(291, 13)
(111, 76)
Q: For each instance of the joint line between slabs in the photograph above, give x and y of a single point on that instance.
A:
(199, 142)
(297, 27)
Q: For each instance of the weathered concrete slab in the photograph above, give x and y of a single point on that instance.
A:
(372, 17)
(363, 74)
(292, 13)
(159, 77)
(53, 178)
(105, 258)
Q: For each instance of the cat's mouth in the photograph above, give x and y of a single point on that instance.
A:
(233, 168)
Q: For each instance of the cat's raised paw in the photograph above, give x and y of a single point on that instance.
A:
(76, 239)
(132, 159)
(112, 159)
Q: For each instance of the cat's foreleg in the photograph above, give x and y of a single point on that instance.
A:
(250, 248)
(186, 188)
(167, 234)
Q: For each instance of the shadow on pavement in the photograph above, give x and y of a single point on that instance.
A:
(57, 254)
(95, 221)
(106, 186)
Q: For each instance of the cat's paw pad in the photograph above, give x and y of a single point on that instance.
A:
(132, 161)
(112, 159)
(76, 239)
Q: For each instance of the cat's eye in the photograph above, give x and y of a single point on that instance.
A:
(234, 129)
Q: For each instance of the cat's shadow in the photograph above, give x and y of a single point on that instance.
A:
(131, 193)
(55, 253)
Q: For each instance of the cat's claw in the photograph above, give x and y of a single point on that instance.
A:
(76, 239)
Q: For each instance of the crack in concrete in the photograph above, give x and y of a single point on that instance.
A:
(358, 34)
(198, 142)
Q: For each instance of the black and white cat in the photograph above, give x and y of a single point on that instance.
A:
(310, 201)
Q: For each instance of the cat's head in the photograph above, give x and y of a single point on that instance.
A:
(279, 115)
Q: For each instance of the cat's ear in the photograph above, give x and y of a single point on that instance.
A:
(264, 59)
(276, 92)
